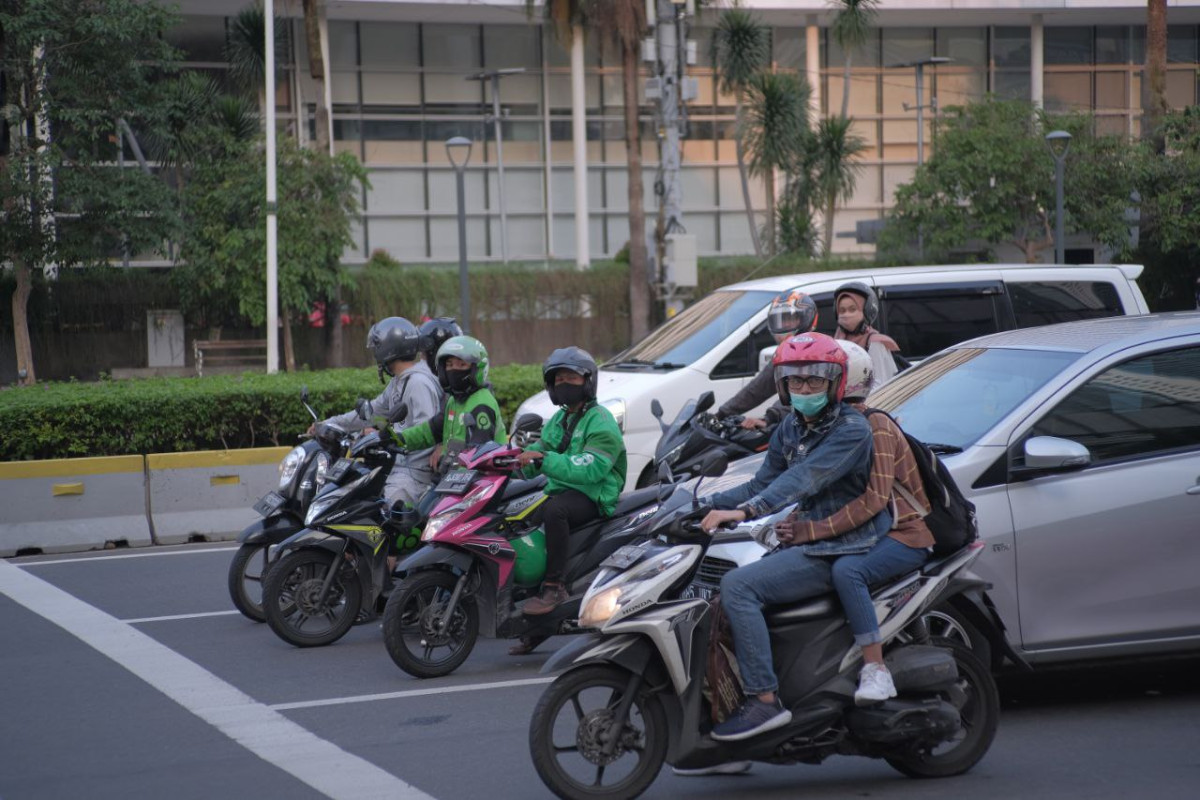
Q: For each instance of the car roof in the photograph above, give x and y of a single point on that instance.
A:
(781, 283)
(1085, 336)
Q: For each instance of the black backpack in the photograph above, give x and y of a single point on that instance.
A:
(951, 517)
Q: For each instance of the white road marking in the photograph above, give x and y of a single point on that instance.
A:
(154, 554)
(371, 698)
(260, 729)
(140, 620)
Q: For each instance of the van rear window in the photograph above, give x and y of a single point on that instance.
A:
(925, 324)
(1047, 303)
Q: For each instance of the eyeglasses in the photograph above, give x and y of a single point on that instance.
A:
(814, 382)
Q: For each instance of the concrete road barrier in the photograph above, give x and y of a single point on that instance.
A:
(71, 504)
(208, 494)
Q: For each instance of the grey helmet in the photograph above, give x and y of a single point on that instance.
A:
(393, 338)
(577, 360)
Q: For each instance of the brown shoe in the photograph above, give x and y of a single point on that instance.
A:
(526, 645)
(553, 595)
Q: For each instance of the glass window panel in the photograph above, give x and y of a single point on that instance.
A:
(343, 44)
(967, 46)
(789, 48)
(443, 196)
(1012, 85)
(865, 56)
(703, 39)
(507, 46)
(356, 239)
(401, 238)
(200, 38)
(396, 191)
(618, 231)
(895, 176)
(864, 93)
(1112, 125)
(900, 89)
(903, 45)
(900, 139)
(730, 185)
(343, 87)
(1068, 90)
(955, 88)
(1111, 90)
(1069, 45)
(699, 188)
(704, 228)
(563, 183)
(436, 133)
(564, 236)
(1181, 88)
(867, 190)
(522, 142)
(1112, 45)
(347, 136)
(522, 189)
(1048, 302)
(392, 45)
(526, 236)
(559, 89)
(1010, 47)
(558, 54)
(451, 46)
(443, 238)
(868, 131)
(519, 94)
(1181, 44)
(735, 234)
(393, 142)
(392, 89)
(451, 89)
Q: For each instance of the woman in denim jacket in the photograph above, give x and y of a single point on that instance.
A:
(819, 458)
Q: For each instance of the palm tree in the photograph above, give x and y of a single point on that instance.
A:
(314, 20)
(835, 168)
(774, 131)
(851, 28)
(741, 48)
(1154, 87)
(246, 50)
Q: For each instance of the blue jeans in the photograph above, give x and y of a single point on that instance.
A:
(785, 576)
(853, 576)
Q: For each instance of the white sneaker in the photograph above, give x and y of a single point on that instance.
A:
(728, 768)
(874, 685)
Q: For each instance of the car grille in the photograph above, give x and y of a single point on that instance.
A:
(712, 569)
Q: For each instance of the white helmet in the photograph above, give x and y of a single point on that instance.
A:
(860, 372)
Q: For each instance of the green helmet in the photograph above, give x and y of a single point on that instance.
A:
(470, 350)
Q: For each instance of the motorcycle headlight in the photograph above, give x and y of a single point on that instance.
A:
(318, 508)
(673, 454)
(602, 606)
(289, 467)
(617, 408)
(439, 521)
(322, 468)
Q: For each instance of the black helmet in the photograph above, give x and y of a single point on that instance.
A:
(870, 301)
(393, 338)
(577, 360)
(434, 333)
(791, 313)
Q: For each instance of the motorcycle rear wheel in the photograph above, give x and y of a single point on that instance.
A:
(245, 584)
(980, 716)
(410, 625)
(574, 718)
(291, 604)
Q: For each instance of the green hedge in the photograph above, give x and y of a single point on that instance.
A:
(167, 415)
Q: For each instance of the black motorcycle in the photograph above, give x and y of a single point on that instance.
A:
(695, 435)
(302, 473)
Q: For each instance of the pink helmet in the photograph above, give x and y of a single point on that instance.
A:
(810, 354)
(860, 371)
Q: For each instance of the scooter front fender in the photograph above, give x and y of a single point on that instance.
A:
(451, 558)
(307, 537)
(270, 530)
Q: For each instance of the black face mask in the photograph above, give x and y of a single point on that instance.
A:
(459, 380)
(568, 394)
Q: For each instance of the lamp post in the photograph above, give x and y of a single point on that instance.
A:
(458, 149)
(494, 77)
(1059, 143)
(920, 66)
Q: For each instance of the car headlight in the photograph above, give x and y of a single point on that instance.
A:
(289, 466)
(616, 407)
(322, 468)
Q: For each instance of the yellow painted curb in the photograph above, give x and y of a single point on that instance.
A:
(69, 467)
(217, 458)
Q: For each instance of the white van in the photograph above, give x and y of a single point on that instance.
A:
(719, 341)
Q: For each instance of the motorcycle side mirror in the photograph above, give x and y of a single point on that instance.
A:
(656, 409)
(665, 490)
(705, 402)
(303, 394)
(664, 473)
(364, 409)
(527, 423)
(714, 465)
(304, 402)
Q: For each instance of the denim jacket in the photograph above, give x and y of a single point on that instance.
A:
(821, 467)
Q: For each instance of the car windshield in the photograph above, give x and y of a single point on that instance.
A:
(694, 332)
(955, 397)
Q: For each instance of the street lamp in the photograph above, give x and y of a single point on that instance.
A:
(920, 65)
(1059, 143)
(494, 75)
(458, 150)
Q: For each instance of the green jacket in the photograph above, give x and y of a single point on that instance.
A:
(450, 427)
(593, 462)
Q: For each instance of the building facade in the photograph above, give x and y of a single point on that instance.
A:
(400, 87)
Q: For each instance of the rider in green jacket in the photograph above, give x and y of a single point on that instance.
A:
(582, 454)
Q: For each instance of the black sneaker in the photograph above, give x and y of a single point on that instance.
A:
(752, 718)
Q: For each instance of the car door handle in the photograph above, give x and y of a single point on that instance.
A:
(1195, 489)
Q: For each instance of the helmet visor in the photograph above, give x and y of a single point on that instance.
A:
(806, 369)
(783, 319)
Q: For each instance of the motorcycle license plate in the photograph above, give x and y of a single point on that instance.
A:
(338, 470)
(698, 591)
(269, 503)
(457, 482)
(625, 556)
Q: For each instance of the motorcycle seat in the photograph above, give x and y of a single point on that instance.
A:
(519, 486)
(634, 500)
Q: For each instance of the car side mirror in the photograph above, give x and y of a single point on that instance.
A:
(1045, 454)
(656, 409)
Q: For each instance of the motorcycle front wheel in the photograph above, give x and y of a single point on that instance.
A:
(980, 714)
(572, 724)
(246, 574)
(418, 636)
(293, 604)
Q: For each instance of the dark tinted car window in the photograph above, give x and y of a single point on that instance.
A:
(924, 321)
(1141, 407)
(742, 361)
(1045, 303)
(826, 314)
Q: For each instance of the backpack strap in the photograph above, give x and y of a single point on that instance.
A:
(569, 430)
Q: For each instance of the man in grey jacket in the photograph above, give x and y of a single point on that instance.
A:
(397, 346)
(791, 313)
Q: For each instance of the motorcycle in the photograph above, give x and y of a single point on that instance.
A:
(485, 553)
(334, 572)
(633, 696)
(302, 473)
(694, 435)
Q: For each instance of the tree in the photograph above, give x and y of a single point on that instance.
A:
(71, 69)
(740, 49)
(775, 130)
(992, 180)
(1154, 84)
(834, 167)
(315, 29)
(246, 51)
(852, 23)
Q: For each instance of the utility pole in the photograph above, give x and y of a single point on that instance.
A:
(493, 76)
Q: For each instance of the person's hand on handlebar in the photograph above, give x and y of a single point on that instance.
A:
(715, 519)
(527, 457)
(754, 423)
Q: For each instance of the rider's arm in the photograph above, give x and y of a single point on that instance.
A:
(350, 421)
(424, 403)
(775, 413)
(772, 467)
(423, 436)
(752, 394)
(487, 425)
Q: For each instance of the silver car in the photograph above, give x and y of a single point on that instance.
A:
(1080, 446)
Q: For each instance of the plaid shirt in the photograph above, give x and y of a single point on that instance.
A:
(893, 462)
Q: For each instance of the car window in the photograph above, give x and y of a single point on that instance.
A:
(924, 320)
(1143, 406)
(742, 360)
(696, 330)
(957, 396)
(1048, 302)
(826, 314)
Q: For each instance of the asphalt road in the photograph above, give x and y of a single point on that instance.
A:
(126, 674)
